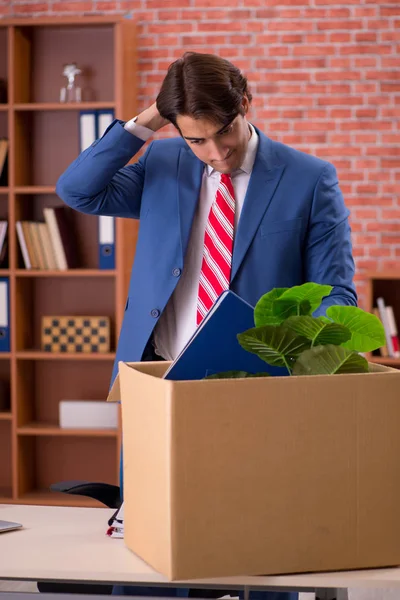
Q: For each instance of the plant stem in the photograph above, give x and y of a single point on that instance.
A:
(287, 366)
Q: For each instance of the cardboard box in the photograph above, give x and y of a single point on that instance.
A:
(260, 476)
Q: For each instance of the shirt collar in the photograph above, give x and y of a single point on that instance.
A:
(250, 157)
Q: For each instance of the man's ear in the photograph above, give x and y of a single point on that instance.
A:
(245, 104)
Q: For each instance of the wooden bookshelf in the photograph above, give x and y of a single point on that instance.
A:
(43, 139)
(387, 285)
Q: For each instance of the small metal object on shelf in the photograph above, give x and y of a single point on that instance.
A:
(75, 334)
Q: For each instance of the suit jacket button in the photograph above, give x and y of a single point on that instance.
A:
(155, 313)
(176, 272)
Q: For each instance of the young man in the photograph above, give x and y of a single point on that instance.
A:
(219, 206)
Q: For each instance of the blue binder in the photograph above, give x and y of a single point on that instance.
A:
(106, 239)
(4, 315)
(214, 347)
(106, 242)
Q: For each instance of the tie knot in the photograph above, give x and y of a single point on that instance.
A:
(225, 178)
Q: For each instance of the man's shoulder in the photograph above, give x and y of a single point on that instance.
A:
(173, 144)
(295, 157)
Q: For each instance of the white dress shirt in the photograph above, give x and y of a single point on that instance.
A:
(178, 321)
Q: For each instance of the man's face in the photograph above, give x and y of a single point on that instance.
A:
(223, 147)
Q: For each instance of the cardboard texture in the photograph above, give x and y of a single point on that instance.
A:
(260, 476)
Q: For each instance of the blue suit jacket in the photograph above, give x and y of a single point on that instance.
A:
(293, 227)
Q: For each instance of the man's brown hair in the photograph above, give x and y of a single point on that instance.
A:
(202, 86)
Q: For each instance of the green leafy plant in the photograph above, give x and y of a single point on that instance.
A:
(287, 335)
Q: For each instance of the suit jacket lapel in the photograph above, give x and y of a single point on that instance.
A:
(190, 171)
(263, 181)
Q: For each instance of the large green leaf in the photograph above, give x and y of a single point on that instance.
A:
(367, 332)
(328, 360)
(276, 345)
(318, 330)
(263, 314)
(283, 308)
(235, 375)
(313, 292)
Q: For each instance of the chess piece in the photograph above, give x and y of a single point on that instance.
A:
(71, 92)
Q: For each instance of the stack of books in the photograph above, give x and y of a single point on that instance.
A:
(385, 313)
(49, 244)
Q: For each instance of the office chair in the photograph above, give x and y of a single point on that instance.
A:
(107, 494)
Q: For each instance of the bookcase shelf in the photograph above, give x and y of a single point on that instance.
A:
(43, 139)
(39, 355)
(50, 429)
(57, 106)
(67, 273)
(31, 189)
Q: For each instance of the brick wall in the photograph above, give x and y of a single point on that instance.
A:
(325, 78)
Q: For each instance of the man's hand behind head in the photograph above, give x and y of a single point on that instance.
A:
(151, 118)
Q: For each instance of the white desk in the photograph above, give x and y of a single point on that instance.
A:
(70, 544)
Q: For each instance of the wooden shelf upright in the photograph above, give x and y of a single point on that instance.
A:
(43, 139)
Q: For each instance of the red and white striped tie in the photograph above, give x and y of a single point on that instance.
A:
(215, 272)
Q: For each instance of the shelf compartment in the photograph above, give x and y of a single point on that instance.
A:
(5, 459)
(40, 158)
(43, 50)
(41, 385)
(46, 296)
(47, 460)
(387, 286)
(3, 65)
(47, 498)
(84, 230)
(49, 429)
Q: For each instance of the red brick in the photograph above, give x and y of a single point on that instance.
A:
(337, 75)
(265, 63)
(389, 11)
(314, 50)
(277, 50)
(290, 25)
(392, 214)
(365, 213)
(361, 49)
(314, 126)
(365, 36)
(291, 101)
(366, 138)
(316, 38)
(42, 7)
(317, 114)
(379, 251)
(266, 38)
(338, 25)
(291, 38)
(340, 100)
(361, 113)
(365, 12)
(307, 63)
(390, 138)
(339, 37)
(391, 239)
(366, 61)
(340, 113)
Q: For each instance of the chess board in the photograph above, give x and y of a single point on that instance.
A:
(75, 334)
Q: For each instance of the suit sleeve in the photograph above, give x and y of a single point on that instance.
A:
(99, 183)
(328, 255)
